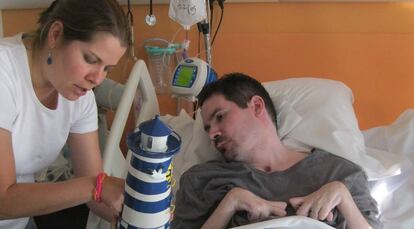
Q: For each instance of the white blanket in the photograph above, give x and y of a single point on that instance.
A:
(395, 194)
(291, 222)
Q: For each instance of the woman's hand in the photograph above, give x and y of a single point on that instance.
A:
(113, 193)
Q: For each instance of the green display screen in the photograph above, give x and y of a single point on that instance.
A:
(185, 76)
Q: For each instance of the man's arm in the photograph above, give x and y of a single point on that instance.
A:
(238, 199)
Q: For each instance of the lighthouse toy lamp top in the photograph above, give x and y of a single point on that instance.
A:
(154, 139)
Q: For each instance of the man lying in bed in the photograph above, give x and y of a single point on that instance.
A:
(261, 178)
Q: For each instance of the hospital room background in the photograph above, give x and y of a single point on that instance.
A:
(367, 45)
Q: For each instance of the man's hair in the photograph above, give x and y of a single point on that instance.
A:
(238, 88)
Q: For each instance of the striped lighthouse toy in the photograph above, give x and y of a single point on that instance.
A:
(148, 184)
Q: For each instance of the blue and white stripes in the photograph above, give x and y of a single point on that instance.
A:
(147, 194)
(147, 198)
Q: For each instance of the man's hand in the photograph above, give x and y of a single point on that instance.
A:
(239, 199)
(256, 207)
(318, 205)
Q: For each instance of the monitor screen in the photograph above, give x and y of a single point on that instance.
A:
(185, 76)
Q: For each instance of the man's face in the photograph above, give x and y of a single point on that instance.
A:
(228, 126)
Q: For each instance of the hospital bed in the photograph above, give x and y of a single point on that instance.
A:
(305, 121)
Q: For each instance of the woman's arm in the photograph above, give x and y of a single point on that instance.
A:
(86, 161)
(27, 199)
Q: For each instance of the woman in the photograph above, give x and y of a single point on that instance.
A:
(46, 78)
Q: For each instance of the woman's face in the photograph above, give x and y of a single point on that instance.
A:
(80, 66)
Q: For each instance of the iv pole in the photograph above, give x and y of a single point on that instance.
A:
(206, 28)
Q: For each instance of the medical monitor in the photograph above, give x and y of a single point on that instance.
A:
(190, 76)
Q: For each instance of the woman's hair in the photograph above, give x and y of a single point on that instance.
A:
(238, 88)
(82, 19)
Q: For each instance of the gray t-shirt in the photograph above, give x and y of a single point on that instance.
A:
(203, 186)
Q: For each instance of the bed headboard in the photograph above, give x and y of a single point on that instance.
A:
(139, 79)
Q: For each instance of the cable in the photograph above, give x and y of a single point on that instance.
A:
(211, 12)
(221, 19)
(150, 7)
(199, 43)
(175, 34)
(130, 18)
(129, 13)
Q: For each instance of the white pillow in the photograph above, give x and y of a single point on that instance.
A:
(195, 144)
(318, 113)
(311, 113)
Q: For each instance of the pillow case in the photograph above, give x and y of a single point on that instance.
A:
(195, 144)
(311, 113)
(319, 113)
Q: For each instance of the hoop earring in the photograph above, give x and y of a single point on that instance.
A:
(49, 60)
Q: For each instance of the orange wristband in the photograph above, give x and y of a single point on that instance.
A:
(98, 187)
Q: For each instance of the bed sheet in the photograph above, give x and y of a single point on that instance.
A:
(291, 222)
(395, 195)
